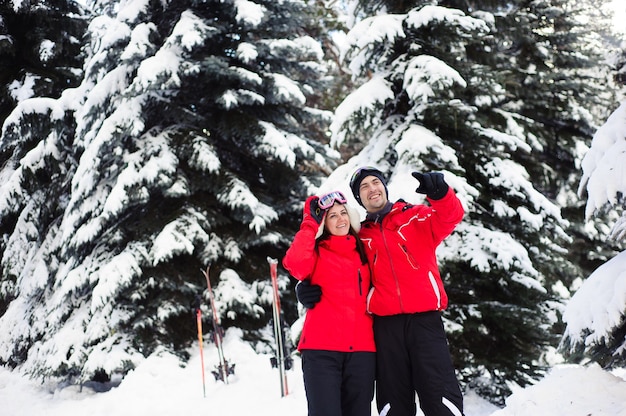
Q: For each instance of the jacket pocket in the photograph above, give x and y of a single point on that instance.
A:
(409, 257)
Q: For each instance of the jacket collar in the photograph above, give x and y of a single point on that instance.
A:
(377, 217)
(340, 244)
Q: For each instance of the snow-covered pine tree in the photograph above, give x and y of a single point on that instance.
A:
(595, 317)
(596, 314)
(558, 87)
(563, 89)
(39, 50)
(442, 90)
(194, 142)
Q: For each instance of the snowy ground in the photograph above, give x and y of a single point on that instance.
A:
(161, 386)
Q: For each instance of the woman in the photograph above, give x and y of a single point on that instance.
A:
(337, 341)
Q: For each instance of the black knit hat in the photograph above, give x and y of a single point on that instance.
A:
(361, 173)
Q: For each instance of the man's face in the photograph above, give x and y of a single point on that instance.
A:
(372, 194)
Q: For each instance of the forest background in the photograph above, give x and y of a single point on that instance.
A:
(143, 140)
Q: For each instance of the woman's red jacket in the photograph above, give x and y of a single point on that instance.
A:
(339, 321)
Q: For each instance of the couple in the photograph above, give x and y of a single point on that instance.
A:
(374, 298)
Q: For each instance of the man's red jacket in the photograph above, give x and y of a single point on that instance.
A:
(401, 253)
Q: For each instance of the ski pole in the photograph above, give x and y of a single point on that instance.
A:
(199, 324)
(278, 334)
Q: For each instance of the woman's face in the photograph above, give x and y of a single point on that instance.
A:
(337, 221)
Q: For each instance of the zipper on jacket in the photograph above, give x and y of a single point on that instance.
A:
(393, 271)
(360, 281)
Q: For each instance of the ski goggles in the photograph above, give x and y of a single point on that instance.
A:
(327, 200)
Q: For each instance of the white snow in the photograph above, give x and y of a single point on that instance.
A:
(286, 90)
(418, 140)
(249, 12)
(20, 91)
(604, 173)
(247, 52)
(424, 71)
(429, 14)
(367, 96)
(619, 14)
(600, 304)
(571, 391)
(162, 385)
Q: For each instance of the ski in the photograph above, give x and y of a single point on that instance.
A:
(224, 368)
(281, 360)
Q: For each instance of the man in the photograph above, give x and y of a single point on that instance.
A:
(407, 296)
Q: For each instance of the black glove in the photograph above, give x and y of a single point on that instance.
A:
(308, 295)
(313, 210)
(432, 184)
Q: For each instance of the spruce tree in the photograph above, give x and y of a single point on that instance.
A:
(596, 314)
(197, 136)
(595, 317)
(479, 94)
(40, 45)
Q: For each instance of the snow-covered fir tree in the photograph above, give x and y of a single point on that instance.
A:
(596, 314)
(193, 138)
(490, 96)
(593, 314)
(40, 44)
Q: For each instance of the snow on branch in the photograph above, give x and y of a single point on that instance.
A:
(276, 144)
(300, 49)
(180, 236)
(162, 70)
(238, 196)
(234, 98)
(427, 15)
(512, 177)
(507, 140)
(486, 250)
(369, 34)
(424, 72)
(153, 164)
(42, 106)
(115, 276)
(598, 307)
(247, 52)
(417, 141)
(249, 12)
(367, 98)
(204, 157)
(190, 31)
(604, 167)
(286, 90)
(235, 297)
